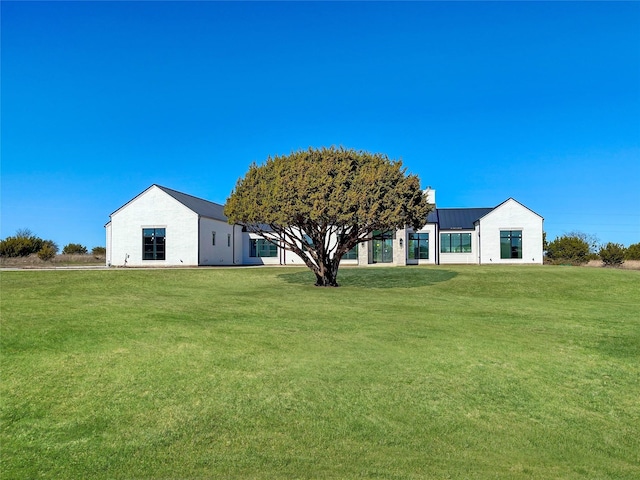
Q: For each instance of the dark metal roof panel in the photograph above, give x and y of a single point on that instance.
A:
(202, 207)
(433, 216)
(457, 218)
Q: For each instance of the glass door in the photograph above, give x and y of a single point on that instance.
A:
(383, 247)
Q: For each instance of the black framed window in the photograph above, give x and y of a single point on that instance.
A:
(153, 243)
(418, 246)
(351, 254)
(455, 243)
(510, 243)
(259, 247)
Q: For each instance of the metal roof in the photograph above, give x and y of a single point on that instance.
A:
(202, 207)
(457, 218)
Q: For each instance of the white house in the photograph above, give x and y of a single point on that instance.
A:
(164, 227)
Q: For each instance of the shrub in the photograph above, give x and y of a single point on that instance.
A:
(568, 248)
(612, 254)
(74, 248)
(98, 251)
(632, 252)
(23, 244)
(47, 252)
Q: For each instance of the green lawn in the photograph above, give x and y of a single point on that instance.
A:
(407, 372)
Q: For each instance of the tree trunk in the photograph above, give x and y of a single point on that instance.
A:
(326, 275)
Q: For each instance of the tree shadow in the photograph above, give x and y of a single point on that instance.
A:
(377, 277)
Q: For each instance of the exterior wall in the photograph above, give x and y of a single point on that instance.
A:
(222, 253)
(108, 244)
(459, 258)
(400, 245)
(153, 208)
(189, 237)
(511, 215)
(431, 230)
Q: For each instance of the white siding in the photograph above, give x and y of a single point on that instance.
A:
(511, 215)
(154, 209)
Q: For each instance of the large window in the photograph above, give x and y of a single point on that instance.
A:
(510, 243)
(418, 246)
(351, 254)
(455, 243)
(259, 247)
(153, 243)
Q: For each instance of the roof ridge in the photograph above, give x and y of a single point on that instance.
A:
(167, 190)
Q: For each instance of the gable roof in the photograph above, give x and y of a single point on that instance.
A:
(511, 199)
(457, 218)
(202, 207)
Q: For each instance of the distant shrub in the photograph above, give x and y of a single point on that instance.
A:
(591, 240)
(23, 244)
(98, 251)
(612, 254)
(632, 252)
(47, 252)
(570, 249)
(74, 249)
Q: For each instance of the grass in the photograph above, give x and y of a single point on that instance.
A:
(401, 373)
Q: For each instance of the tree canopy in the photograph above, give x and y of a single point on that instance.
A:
(320, 203)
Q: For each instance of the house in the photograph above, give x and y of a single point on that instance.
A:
(164, 227)
(507, 233)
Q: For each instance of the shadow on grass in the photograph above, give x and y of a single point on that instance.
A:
(377, 277)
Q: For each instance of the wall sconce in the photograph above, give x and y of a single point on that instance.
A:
(400, 243)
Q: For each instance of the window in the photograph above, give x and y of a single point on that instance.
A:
(351, 254)
(228, 239)
(418, 246)
(455, 243)
(510, 243)
(259, 247)
(213, 238)
(153, 242)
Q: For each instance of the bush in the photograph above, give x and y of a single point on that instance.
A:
(570, 249)
(632, 252)
(23, 244)
(47, 252)
(74, 248)
(612, 254)
(99, 251)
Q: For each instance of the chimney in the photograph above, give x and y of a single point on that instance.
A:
(431, 195)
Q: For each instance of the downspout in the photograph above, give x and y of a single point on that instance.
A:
(437, 230)
(233, 243)
(479, 247)
(283, 252)
(199, 223)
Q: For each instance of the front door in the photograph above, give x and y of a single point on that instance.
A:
(383, 248)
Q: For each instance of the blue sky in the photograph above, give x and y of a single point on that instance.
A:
(483, 100)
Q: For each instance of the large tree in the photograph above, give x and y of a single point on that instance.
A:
(320, 203)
